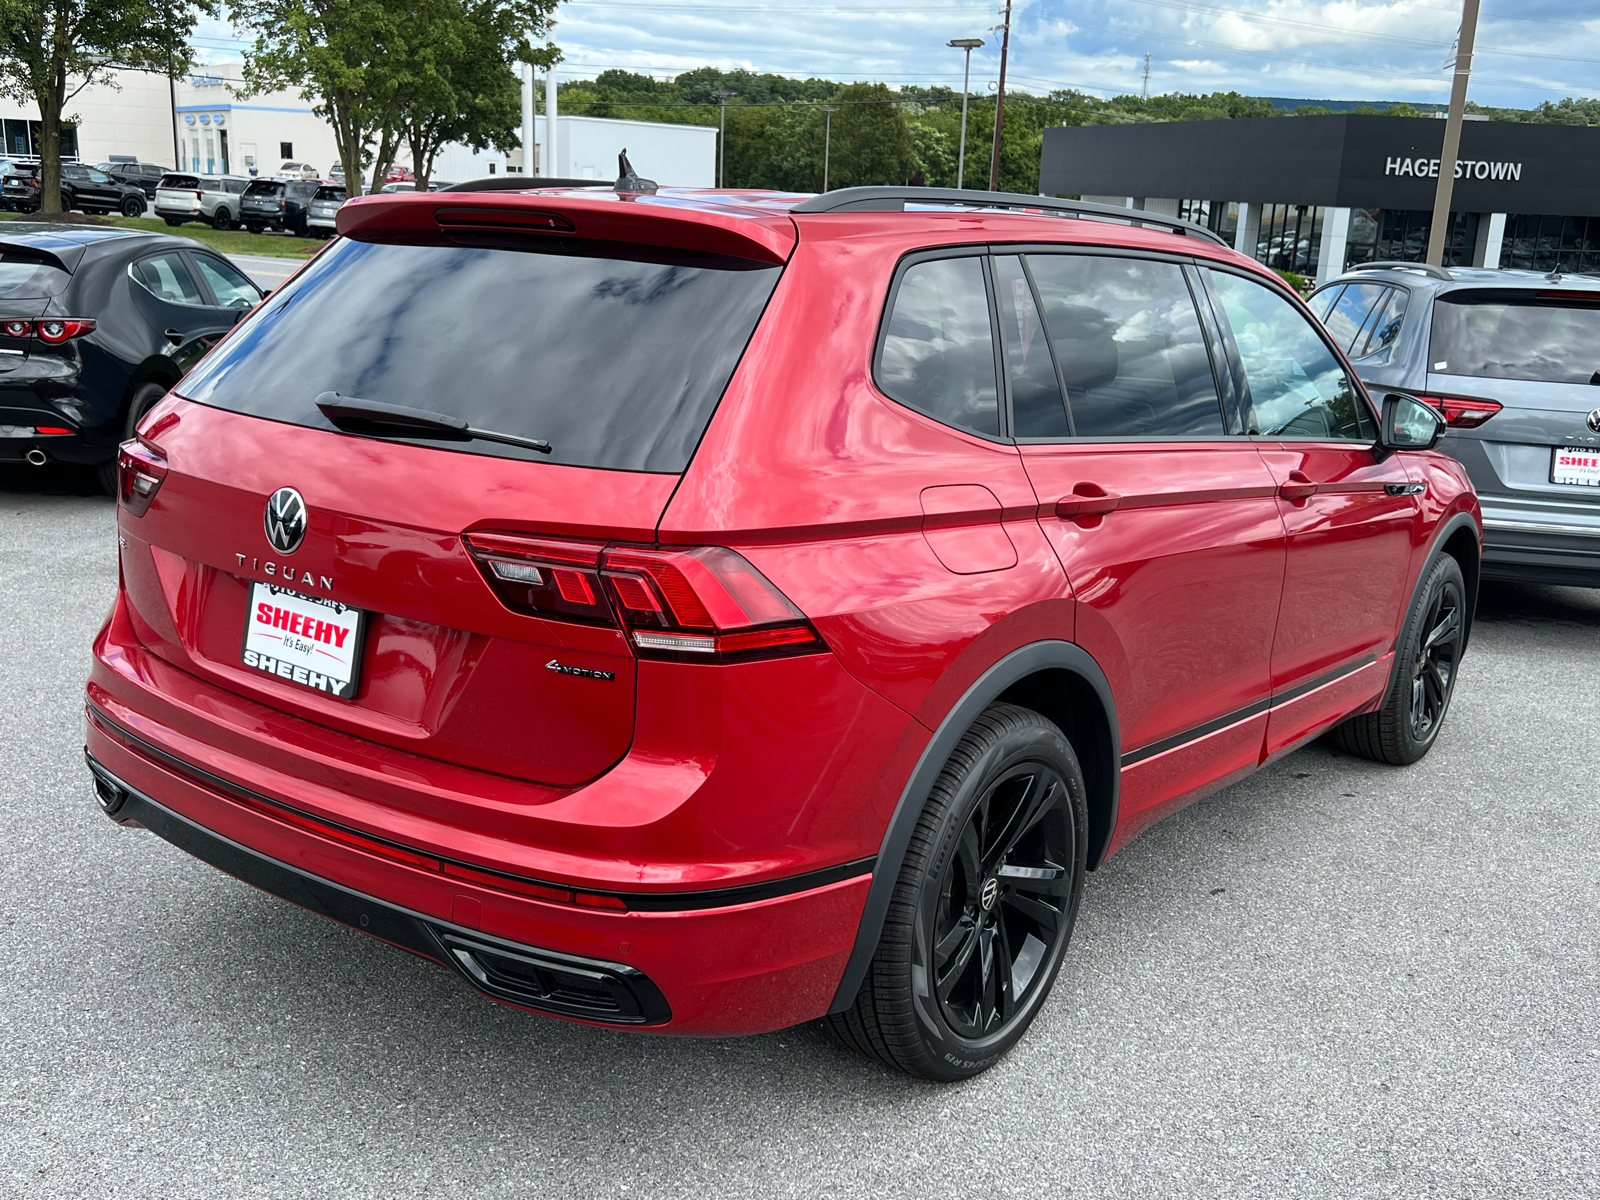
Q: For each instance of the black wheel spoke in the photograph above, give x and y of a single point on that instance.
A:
(1002, 971)
(989, 995)
(1445, 628)
(1044, 917)
(960, 963)
(946, 946)
(1030, 807)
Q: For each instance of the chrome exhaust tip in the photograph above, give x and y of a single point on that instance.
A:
(36, 456)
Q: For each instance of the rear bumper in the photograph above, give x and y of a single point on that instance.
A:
(1542, 541)
(711, 968)
(179, 214)
(561, 984)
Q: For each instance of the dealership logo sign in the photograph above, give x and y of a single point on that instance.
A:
(1466, 168)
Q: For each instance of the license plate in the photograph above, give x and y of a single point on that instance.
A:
(304, 639)
(1576, 465)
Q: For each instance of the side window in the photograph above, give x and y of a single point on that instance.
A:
(1129, 345)
(1346, 320)
(938, 351)
(168, 277)
(1322, 301)
(1296, 386)
(231, 289)
(1037, 409)
(234, 186)
(1385, 328)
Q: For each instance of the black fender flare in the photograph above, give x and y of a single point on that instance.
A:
(1018, 665)
(1446, 530)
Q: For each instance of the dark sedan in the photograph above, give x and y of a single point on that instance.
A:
(95, 325)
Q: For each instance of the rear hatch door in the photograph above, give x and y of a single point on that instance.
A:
(616, 354)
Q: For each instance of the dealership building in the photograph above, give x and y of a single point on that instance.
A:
(1316, 194)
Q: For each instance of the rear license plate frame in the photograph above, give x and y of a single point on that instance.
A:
(296, 661)
(1586, 474)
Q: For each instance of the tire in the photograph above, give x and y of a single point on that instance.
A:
(143, 400)
(222, 219)
(1011, 798)
(133, 207)
(107, 473)
(254, 228)
(1428, 659)
(173, 221)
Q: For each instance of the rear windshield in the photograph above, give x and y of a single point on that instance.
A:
(28, 275)
(264, 187)
(330, 193)
(617, 362)
(180, 181)
(1500, 336)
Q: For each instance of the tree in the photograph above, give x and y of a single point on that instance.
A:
(871, 143)
(50, 50)
(350, 56)
(466, 89)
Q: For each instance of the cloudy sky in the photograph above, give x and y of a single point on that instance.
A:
(1528, 50)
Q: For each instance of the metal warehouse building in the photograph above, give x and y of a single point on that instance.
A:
(1315, 194)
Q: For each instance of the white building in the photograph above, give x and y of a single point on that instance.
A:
(131, 114)
(587, 148)
(220, 133)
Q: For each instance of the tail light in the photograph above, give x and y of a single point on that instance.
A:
(691, 604)
(17, 329)
(199, 195)
(140, 471)
(1462, 412)
(56, 330)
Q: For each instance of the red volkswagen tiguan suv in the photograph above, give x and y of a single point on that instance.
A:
(710, 611)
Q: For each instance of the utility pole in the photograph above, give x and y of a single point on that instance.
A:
(1147, 74)
(1439, 230)
(969, 45)
(528, 135)
(1000, 101)
(722, 99)
(551, 162)
(827, 140)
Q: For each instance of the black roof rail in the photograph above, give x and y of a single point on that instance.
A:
(894, 199)
(514, 183)
(1426, 268)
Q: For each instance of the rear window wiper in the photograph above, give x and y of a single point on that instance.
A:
(377, 419)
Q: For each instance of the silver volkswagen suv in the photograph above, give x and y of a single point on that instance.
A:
(1512, 360)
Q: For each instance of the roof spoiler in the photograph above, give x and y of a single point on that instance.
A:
(563, 219)
(895, 199)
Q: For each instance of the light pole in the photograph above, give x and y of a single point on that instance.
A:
(722, 99)
(1000, 101)
(969, 45)
(1439, 231)
(827, 140)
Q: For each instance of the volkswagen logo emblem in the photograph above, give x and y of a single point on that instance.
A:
(1594, 420)
(991, 893)
(286, 520)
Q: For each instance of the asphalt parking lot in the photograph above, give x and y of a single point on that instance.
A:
(1334, 979)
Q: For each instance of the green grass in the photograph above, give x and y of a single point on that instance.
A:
(234, 241)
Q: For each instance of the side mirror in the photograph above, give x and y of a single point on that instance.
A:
(1409, 424)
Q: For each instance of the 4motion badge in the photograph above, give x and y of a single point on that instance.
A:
(586, 672)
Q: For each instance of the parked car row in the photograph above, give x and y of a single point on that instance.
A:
(84, 189)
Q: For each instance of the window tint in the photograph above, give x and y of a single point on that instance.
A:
(1322, 301)
(1346, 320)
(1383, 329)
(73, 171)
(1500, 337)
(1036, 406)
(168, 277)
(1296, 386)
(179, 181)
(231, 289)
(938, 352)
(1129, 345)
(618, 363)
(25, 274)
(233, 186)
(264, 187)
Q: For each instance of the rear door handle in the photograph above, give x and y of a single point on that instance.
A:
(1297, 487)
(1087, 500)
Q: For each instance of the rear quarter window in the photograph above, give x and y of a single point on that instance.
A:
(26, 275)
(617, 362)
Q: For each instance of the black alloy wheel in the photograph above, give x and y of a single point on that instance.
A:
(222, 218)
(253, 228)
(984, 905)
(1427, 661)
(132, 206)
